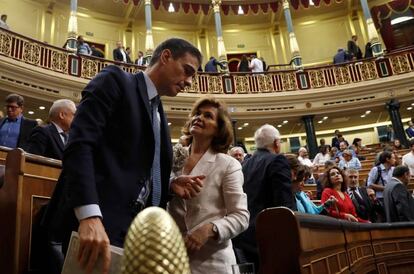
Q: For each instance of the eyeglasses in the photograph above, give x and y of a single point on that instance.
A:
(12, 107)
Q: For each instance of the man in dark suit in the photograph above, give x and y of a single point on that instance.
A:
(398, 202)
(359, 197)
(354, 49)
(50, 140)
(118, 157)
(267, 183)
(15, 129)
(119, 53)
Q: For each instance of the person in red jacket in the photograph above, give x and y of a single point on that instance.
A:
(335, 185)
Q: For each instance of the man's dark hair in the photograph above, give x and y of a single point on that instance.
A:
(399, 171)
(384, 156)
(3, 16)
(15, 98)
(178, 47)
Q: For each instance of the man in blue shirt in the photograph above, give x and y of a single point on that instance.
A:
(15, 129)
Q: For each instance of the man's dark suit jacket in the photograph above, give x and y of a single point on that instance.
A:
(109, 154)
(46, 141)
(118, 55)
(267, 183)
(398, 202)
(363, 206)
(26, 127)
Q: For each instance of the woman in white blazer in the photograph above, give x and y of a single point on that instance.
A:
(219, 212)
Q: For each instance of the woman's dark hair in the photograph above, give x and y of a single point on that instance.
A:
(296, 166)
(221, 142)
(327, 179)
(356, 140)
(324, 149)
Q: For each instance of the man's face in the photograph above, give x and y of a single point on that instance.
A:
(276, 146)
(66, 116)
(13, 110)
(406, 178)
(4, 18)
(238, 155)
(119, 45)
(412, 150)
(177, 74)
(353, 179)
(342, 146)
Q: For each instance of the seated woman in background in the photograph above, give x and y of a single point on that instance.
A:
(397, 145)
(336, 186)
(303, 202)
(349, 162)
(322, 156)
(219, 212)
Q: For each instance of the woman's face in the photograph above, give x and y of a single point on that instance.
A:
(397, 143)
(335, 176)
(204, 122)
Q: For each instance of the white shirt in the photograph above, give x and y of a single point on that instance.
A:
(256, 65)
(4, 25)
(59, 130)
(320, 159)
(408, 160)
(124, 59)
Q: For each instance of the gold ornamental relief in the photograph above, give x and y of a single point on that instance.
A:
(5, 43)
(289, 81)
(194, 86)
(241, 84)
(214, 84)
(317, 78)
(154, 245)
(368, 71)
(59, 61)
(31, 53)
(265, 83)
(89, 68)
(400, 64)
(342, 75)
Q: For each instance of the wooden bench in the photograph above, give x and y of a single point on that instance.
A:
(28, 185)
(291, 242)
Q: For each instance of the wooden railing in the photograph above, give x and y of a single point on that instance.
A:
(60, 60)
(290, 242)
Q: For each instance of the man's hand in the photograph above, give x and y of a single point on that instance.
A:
(199, 237)
(94, 242)
(187, 187)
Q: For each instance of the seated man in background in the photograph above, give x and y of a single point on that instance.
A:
(237, 153)
(15, 129)
(398, 202)
(359, 197)
(348, 161)
(50, 140)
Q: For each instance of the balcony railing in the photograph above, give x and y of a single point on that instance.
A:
(56, 59)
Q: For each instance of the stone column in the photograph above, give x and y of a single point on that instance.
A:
(294, 47)
(221, 49)
(310, 135)
(71, 42)
(393, 107)
(149, 41)
(372, 31)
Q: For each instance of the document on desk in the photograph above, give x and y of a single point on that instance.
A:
(72, 266)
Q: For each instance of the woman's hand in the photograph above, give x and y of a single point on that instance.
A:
(199, 237)
(187, 187)
(351, 218)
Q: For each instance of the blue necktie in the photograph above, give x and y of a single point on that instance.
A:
(156, 168)
(65, 137)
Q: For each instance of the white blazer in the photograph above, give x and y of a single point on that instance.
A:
(221, 202)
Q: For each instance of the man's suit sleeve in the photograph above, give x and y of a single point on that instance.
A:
(37, 142)
(399, 198)
(99, 99)
(280, 179)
